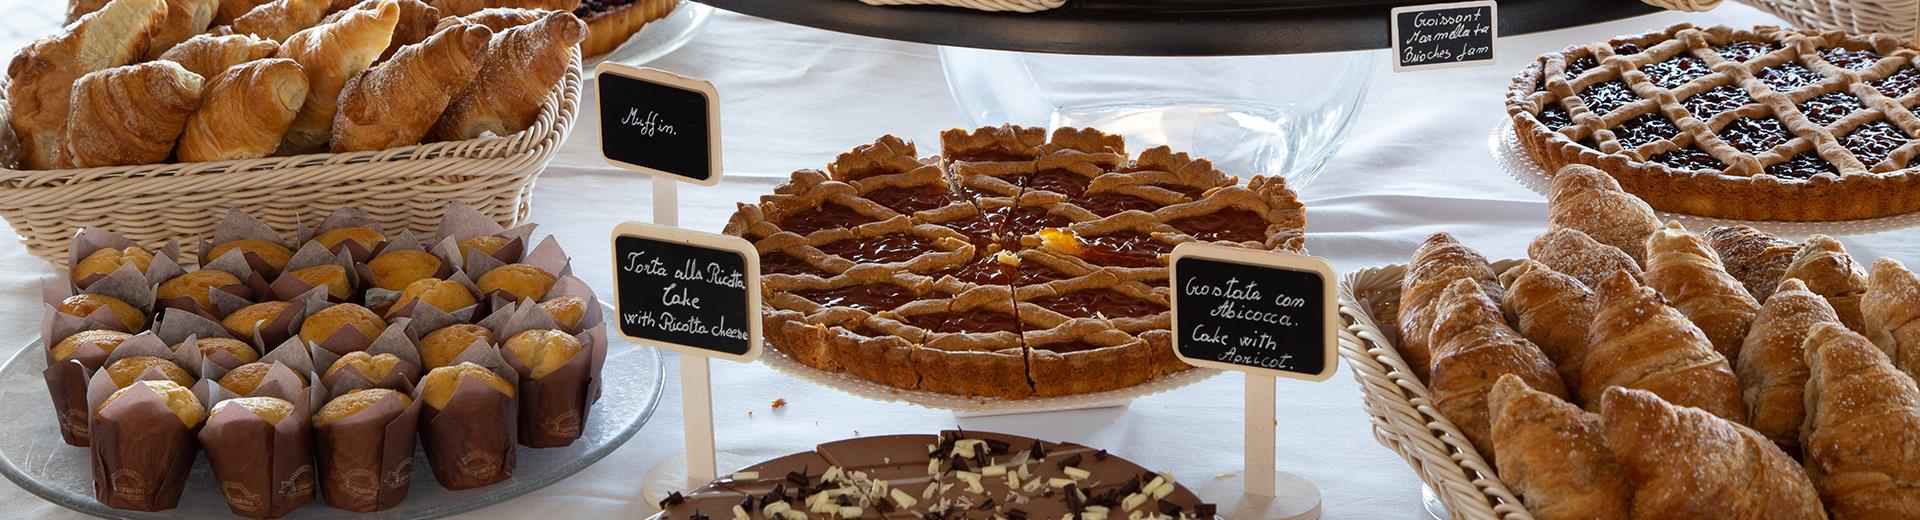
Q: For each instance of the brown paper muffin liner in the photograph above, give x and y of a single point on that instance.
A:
(346, 218)
(366, 461)
(554, 408)
(238, 225)
(265, 470)
(471, 442)
(287, 287)
(91, 239)
(140, 451)
(396, 340)
(67, 379)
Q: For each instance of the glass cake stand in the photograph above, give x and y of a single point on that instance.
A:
(33, 456)
(660, 37)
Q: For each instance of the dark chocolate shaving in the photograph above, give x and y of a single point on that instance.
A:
(798, 478)
(1204, 510)
(1170, 508)
(1100, 455)
(988, 505)
(1071, 461)
(1074, 503)
(1038, 451)
(998, 446)
(1016, 514)
(673, 499)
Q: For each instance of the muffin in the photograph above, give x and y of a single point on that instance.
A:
(446, 295)
(370, 366)
(354, 402)
(127, 370)
(105, 261)
(438, 386)
(195, 285)
(247, 378)
(439, 347)
(83, 304)
(247, 320)
(394, 270)
(331, 276)
(271, 409)
(486, 245)
(543, 351)
(107, 340)
(178, 398)
(275, 255)
(366, 237)
(520, 280)
(566, 311)
(323, 324)
(238, 349)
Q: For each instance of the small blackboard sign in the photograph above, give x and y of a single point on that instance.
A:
(1254, 311)
(1444, 35)
(659, 123)
(697, 293)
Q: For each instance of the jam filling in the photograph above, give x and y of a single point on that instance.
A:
(1802, 166)
(1026, 220)
(1645, 129)
(1677, 71)
(1745, 50)
(1058, 181)
(883, 250)
(781, 263)
(1032, 273)
(1788, 76)
(1827, 108)
(1688, 158)
(1555, 118)
(826, 216)
(1232, 224)
(1850, 59)
(870, 297)
(985, 270)
(1110, 204)
(1873, 142)
(906, 201)
(588, 8)
(1900, 83)
(1604, 97)
(1124, 249)
(976, 320)
(1626, 48)
(1099, 302)
(1713, 102)
(1579, 65)
(1755, 135)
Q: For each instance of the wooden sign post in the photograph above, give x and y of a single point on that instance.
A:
(1269, 315)
(694, 293)
(1444, 35)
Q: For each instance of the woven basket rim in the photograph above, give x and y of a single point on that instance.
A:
(1402, 411)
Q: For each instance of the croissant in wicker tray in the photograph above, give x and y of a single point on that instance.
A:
(274, 78)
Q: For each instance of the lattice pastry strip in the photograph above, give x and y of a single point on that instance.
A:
(888, 173)
(809, 203)
(897, 243)
(782, 253)
(970, 343)
(1133, 241)
(809, 305)
(991, 161)
(1263, 215)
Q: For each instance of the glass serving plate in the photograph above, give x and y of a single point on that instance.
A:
(660, 37)
(33, 456)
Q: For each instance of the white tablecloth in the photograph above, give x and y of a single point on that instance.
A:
(1416, 163)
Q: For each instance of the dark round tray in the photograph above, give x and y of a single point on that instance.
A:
(1162, 27)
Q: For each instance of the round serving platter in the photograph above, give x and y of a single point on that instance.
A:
(34, 458)
(979, 405)
(1506, 150)
(659, 37)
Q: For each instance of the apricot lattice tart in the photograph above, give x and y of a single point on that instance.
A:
(1760, 124)
(1015, 266)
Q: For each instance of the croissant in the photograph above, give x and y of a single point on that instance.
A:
(279, 19)
(1472, 348)
(1554, 311)
(1689, 274)
(1578, 255)
(467, 7)
(1436, 264)
(79, 8)
(1863, 424)
(231, 9)
(1589, 200)
(1831, 273)
(209, 55)
(395, 103)
(1756, 258)
(1639, 342)
(1891, 310)
(245, 112)
(128, 115)
(1773, 362)
(185, 18)
(495, 18)
(1686, 463)
(417, 21)
(1554, 456)
(523, 64)
(41, 77)
(332, 53)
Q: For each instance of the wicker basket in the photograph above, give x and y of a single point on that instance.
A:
(1896, 17)
(404, 188)
(1404, 418)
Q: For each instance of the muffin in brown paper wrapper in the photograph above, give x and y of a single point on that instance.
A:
(554, 407)
(140, 450)
(343, 341)
(90, 240)
(472, 441)
(286, 325)
(238, 225)
(265, 470)
(67, 378)
(413, 308)
(165, 269)
(125, 284)
(366, 460)
(292, 368)
(380, 299)
(462, 222)
(394, 340)
(348, 218)
(181, 327)
(287, 287)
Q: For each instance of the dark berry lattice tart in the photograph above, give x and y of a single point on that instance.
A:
(1760, 124)
(1016, 266)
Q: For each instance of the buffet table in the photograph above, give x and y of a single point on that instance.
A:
(1417, 162)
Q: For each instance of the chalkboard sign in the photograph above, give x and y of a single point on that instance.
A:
(697, 293)
(1254, 311)
(1444, 35)
(659, 123)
